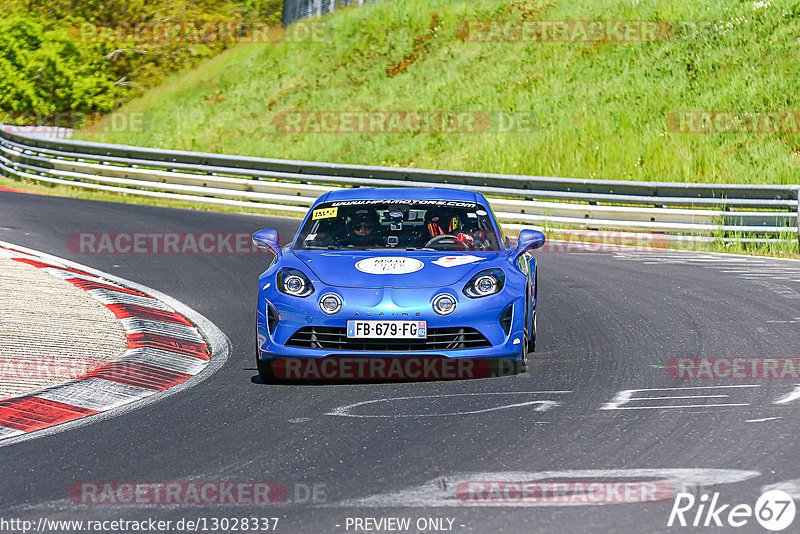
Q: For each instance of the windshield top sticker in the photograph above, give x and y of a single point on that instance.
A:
(325, 213)
(454, 261)
(447, 203)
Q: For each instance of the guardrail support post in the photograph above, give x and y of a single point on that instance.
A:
(797, 195)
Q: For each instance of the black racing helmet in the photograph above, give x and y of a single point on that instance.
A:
(362, 224)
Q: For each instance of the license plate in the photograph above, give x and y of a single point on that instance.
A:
(387, 329)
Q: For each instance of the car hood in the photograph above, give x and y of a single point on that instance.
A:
(401, 269)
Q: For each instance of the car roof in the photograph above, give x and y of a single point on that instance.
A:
(401, 193)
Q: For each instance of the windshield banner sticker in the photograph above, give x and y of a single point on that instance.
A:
(446, 203)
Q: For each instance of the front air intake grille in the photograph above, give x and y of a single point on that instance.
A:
(332, 338)
(272, 318)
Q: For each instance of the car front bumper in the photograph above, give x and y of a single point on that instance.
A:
(389, 304)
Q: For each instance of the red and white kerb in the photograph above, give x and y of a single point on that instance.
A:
(164, 349)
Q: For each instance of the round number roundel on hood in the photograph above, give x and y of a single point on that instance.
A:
(389, 265)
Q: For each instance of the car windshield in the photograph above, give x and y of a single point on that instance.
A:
(398, 224)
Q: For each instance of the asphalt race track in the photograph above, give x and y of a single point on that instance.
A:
(608, 323)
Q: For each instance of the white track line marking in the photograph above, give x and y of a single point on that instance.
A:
(542, 405)
(698, 387)
(790, 397)
(792, 487)
(668, 406)
(627, 396)
(683, 397)
(763, 420)
(6, 432)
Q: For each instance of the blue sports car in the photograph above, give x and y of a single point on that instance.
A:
(399, 273)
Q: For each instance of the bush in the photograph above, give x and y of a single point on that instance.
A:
(48, 65)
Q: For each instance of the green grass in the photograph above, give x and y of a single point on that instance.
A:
(601, 108)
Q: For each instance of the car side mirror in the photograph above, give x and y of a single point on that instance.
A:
(268, 239)
(528, 240)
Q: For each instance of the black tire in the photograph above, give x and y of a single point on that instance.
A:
(523, 360)
(532, 339)
(264, 368)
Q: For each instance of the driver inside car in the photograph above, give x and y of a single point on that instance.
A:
(441, 223)
(362, 229)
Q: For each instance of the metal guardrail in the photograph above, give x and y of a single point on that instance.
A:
(769, 211)
(294, 10)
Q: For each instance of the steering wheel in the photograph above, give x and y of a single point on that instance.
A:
(446, 240)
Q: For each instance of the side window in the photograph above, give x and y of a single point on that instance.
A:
(503, 237)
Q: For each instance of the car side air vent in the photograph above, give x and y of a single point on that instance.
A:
(505, 318)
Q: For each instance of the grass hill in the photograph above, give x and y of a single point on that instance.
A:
(604, 109)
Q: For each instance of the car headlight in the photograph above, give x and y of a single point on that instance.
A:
(485, 283)
(444, 304)
(330, 303)
(294, 282)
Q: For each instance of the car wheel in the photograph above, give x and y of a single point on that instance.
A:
(532, 346)
(523, 358)
(265, 371)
